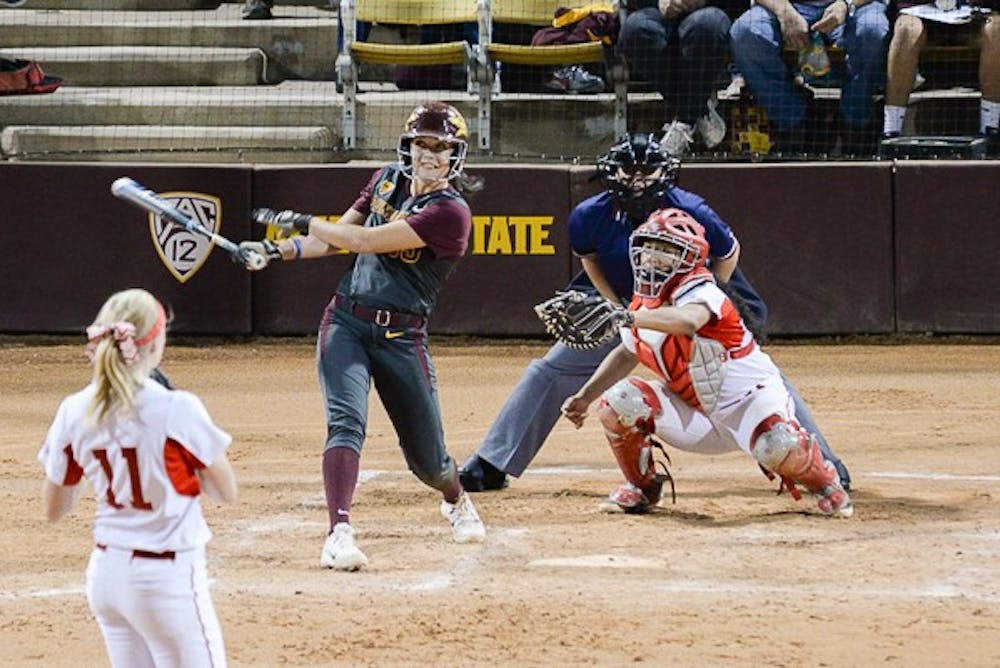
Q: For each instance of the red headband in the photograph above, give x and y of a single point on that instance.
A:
(161, 320)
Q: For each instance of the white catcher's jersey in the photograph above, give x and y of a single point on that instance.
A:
(142, 469)
(675, 359)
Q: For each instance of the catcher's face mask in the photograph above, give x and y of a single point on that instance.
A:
(664, 248)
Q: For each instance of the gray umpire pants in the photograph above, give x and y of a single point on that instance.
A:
(533, 408)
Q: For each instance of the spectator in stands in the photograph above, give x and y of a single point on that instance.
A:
(681, 48)
(258, 9)
(909, 36)
(860, 27)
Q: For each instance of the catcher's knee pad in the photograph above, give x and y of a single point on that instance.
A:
(790, 451)
(628, 412)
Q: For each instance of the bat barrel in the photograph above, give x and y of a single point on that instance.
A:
(131, 191)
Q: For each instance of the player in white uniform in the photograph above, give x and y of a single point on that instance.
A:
(147, 452)
(716, 392)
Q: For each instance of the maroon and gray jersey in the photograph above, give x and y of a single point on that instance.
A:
(408, 281)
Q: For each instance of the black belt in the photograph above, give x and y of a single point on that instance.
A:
(380, 317)
(143, 554)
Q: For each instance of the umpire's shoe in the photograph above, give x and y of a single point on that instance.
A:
(845, 477)
(478, 475)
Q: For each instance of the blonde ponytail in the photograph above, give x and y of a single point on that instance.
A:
(120, 344)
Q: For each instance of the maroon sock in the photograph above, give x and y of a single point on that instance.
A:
(452, 490)
(340, 477)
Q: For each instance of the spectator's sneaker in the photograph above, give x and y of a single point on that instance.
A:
(630, 499)
(340, 553)
(711, 126)
(257, 9)
(677, 138)
(478, 475)
(992, 136)
(574, 79)
(12, 3)
(465, 523)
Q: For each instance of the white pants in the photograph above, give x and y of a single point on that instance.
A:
(730, 426)
(155, 612)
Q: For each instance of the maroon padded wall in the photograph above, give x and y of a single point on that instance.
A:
(947, 238)
(833, 248)
(816, 240)
(70, 244)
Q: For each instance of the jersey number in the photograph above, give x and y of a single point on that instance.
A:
(138, 502)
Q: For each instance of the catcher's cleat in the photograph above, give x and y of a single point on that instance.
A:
(833, 500)
(340, 553)
(465, 523)
(478, 475)
(630, 499)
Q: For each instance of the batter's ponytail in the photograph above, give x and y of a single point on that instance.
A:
(122, 343)
(467, 184)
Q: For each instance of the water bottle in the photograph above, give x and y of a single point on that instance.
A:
(814, 63)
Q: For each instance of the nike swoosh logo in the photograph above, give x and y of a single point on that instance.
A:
(394, 335)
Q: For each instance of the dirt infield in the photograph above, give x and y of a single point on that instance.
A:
(732, 575)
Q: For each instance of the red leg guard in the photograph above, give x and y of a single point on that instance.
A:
(786, 449)
(630, 445)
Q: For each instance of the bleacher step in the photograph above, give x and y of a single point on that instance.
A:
(292, 103)
(150, 143)
(301, 42)
(149, 65)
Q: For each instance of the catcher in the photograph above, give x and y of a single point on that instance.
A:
(717, 390)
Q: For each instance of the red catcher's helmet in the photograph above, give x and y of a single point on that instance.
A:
(442, 122)
(657, 270)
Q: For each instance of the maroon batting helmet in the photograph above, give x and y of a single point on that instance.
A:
(440, 121)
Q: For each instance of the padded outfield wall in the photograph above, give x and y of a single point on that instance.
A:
(834, 248)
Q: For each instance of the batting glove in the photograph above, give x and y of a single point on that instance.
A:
(255, 255)
(287, 221)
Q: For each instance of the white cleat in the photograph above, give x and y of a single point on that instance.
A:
(340, 553)
(465, 523)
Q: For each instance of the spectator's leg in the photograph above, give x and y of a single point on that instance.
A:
(908, 37)
(643, 41)
(864, 40)
(757, 45)
(704, 47)
(989, 72)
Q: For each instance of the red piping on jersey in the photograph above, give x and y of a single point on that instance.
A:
(73, 470)
(181, 466)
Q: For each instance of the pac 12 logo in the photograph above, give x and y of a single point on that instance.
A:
(184, 252)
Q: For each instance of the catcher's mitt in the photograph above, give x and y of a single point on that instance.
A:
(582, 321)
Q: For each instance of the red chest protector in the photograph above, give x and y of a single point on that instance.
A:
(676, 349)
